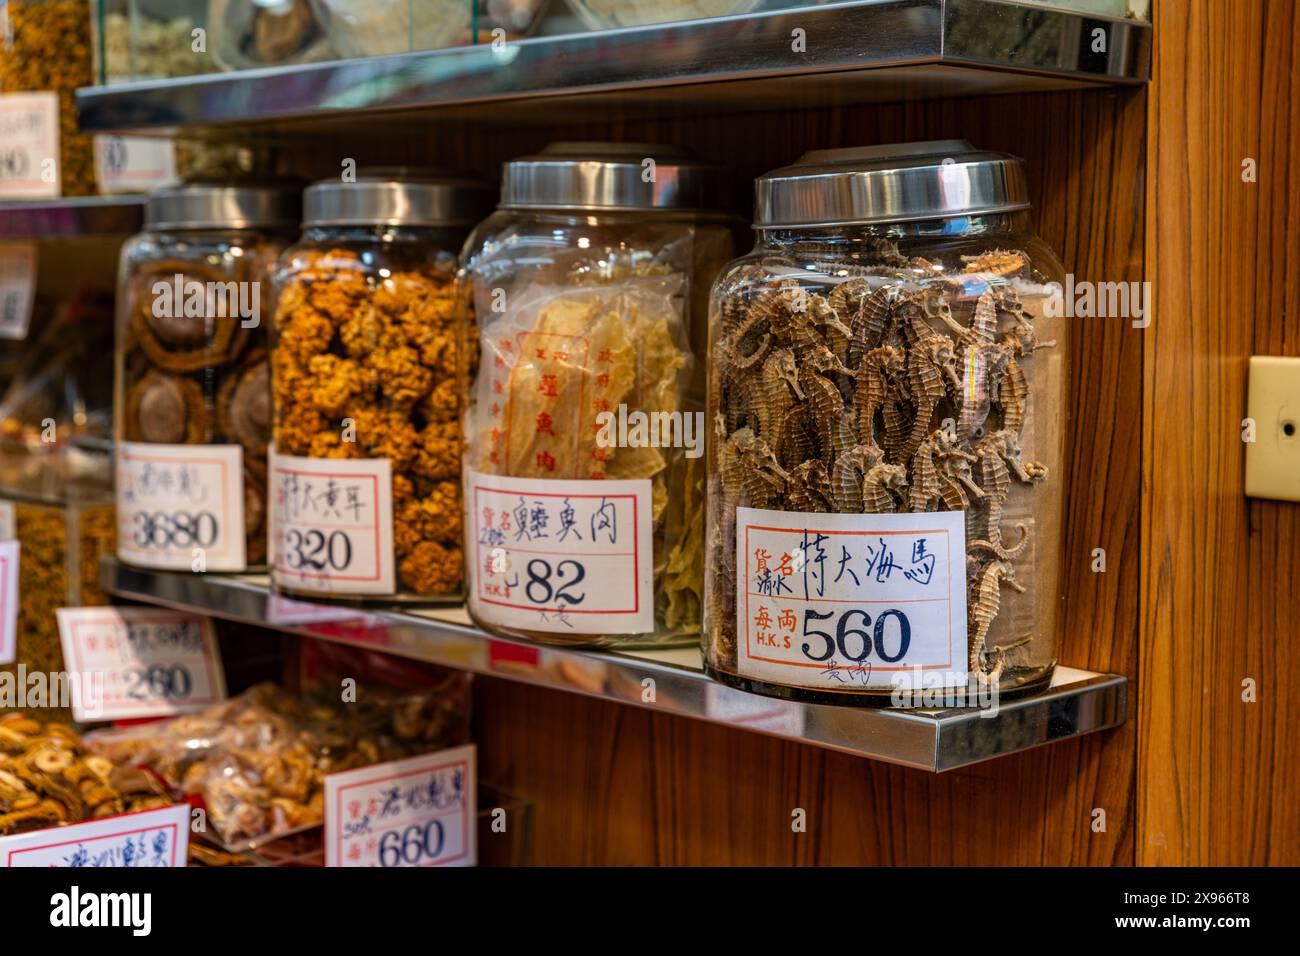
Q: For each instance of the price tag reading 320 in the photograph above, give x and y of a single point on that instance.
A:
(562, 556)
(842, 602)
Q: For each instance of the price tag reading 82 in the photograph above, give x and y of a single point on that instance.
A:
(845, 602)
(332, 524)
(181, 506)
(562, 556)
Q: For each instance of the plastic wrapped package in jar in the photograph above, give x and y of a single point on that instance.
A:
(45, 55)
(193, 403)
(380, 27)
(886, 477)
(584, 465)
(614, 14)
(151, 39)
(367, 377)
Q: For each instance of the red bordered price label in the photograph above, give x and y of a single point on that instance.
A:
(417, 812)
(29, 146)
(8, 601)
(150, 838)
(850, 602)
(139, 662)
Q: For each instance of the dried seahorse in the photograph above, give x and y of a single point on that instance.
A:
(925, 476)
(774, 392)
(896, 428)
(850, 474)
(995, 262)
(984, 609)
(995, 479)
(749, 465)
(1007, 445)
(825, 404)
(872, 322)
(931, 370)
(879, 374)
(799, 441)
(880, 486)
(749, 345)
(809, 488)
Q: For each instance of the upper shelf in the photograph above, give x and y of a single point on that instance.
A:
(669, 681)
(870, 50)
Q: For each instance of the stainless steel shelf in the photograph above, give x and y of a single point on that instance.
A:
(1079, 702)
(69, 218)
(869, 50)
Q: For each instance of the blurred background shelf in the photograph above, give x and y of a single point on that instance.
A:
(71, 217)
(1079, 702)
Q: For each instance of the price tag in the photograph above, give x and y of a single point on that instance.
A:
(146, 839)
(845, 602)
(29, 146)
(332, 524)
(417, 812)
(563, 556)
(17, 288)
(8, 524)
(146, 662)
(8, 601)
(181, 506)
(130, 164)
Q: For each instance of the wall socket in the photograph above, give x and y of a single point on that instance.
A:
(1273, 403)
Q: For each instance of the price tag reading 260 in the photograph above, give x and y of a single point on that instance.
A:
(332, 524)
(842, 602)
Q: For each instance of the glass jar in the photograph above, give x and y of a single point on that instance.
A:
(584, 467)
(368, 374)
(885, 479)
(192, 404)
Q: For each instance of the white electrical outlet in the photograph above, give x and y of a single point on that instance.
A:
(1273, 405)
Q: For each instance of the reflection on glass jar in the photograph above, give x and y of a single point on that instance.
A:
(584, 461)
(886, 480)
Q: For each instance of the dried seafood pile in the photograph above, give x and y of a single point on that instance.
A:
(902, 389)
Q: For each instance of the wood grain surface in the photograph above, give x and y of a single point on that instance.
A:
(1218, 777)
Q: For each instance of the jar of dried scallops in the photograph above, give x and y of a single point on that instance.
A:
(367, 376)
(885, 477)
(192, 405)
(584, 467)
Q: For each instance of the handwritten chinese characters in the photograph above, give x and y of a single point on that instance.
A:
(150, 838)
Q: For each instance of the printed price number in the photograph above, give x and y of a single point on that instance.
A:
(158, 682)
(852, 634)
(316, 550)
(175, 529)
(416, 844)
(14, 163)
(546, 583)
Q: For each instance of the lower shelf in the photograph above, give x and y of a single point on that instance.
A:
(671, 681)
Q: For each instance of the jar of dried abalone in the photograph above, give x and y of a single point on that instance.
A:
(193, 395)
(885, 481)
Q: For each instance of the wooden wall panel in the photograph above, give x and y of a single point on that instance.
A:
(1217, 776)
(620, 785)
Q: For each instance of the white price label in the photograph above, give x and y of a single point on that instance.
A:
(181, 506)
(148, 838)
(140, 662)
(127, 164)
(8, 601)
(17, 288)
(332, 524)
(8, 525)
(29, 146)
(417, 812)
(562, 556)
(845, 602)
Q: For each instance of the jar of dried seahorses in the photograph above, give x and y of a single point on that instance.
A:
(885, 470)
(367, 375)
(193, 394)
(584, 456)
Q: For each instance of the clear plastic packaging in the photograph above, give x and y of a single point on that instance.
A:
(613, 14)
(887, 351)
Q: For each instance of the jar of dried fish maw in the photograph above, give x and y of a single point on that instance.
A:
(367, 378)
(584, 467)
(192, 405)
(885, 480)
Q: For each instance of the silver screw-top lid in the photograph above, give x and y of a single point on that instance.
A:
(626, 176)
(398, 197)
(217, 205)
(900, 183)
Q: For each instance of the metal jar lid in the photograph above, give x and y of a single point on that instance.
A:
(611, 176)
(880, 184)
(203, 205)
(398, 197)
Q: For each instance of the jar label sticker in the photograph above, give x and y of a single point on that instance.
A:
(181, 507)
(332, 524)
(129, 164)
(8, 528)
(139, 662)
(8, 601)
(416, 812)
(564, 556)
(17, 288)
(845, 602)
(147, 838)
(29, 146)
